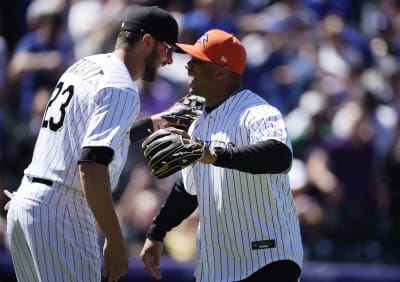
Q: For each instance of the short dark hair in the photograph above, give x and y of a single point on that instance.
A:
(127, 39)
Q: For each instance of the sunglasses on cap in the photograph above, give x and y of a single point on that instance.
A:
(170, 49)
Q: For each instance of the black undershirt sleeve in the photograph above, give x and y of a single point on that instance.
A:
(140, 129)
(178, 206)
(101, 155)
(270, 156)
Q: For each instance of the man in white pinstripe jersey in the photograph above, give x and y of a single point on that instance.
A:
(248, 228)
(78, 157)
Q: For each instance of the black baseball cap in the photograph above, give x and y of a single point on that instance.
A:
(154, 20)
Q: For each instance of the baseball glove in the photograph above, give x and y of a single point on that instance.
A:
(184, 112)
(166, 152)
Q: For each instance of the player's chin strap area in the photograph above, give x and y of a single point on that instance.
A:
(10, 196)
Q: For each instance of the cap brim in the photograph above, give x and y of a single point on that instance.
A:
(178, 49)
(191, 50)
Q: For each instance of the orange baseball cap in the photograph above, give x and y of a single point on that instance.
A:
(220, 47)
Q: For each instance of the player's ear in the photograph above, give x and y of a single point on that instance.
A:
(148, 41)
(222, 72)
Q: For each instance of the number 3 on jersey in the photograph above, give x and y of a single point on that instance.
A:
(55, 110)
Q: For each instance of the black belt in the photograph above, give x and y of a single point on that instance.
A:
(43, 181)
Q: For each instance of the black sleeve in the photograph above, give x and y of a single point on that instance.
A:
(270, 156)
(101, 155)
(178, 206)
(140, 129)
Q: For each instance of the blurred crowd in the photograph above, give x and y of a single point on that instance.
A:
(331, 67)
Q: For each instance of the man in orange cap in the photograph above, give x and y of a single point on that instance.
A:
(248, 227)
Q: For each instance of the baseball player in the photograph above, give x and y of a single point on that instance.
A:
(248, 228)
(78, 157)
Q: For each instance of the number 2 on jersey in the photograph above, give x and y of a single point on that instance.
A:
(55, 111)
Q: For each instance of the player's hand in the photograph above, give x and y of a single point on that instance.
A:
(150, 255)
(116, 260)
(158, 121)
(184, 112)
(186, 137)
(209, 156)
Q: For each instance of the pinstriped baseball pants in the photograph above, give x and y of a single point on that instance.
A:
(52, 234)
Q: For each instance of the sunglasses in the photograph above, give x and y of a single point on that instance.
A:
(170, 49)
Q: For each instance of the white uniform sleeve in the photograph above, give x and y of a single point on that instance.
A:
(113, 114)
(265, 122)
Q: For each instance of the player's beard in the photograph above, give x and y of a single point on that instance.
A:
(150, 66)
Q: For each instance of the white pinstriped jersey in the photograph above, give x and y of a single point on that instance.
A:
(50, 228)
(240, 211)
(94, 104)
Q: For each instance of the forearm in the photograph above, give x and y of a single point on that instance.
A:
(96, 186)
(178, 206)
(269, 156)
(143, 127)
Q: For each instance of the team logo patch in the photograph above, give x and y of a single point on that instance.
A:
(263, 244)
(224, 59)
(203, 39)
